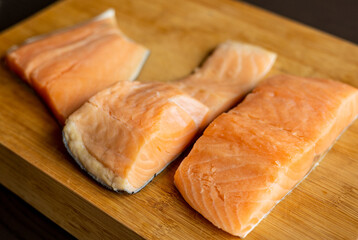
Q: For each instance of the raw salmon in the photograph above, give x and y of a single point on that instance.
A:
(249, 158)
(125, 153)
(227, 76)
(69, 66)
(126, 134)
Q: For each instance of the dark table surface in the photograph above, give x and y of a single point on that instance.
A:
(18, 220)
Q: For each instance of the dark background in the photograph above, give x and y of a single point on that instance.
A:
(18, 220)
(338, 17)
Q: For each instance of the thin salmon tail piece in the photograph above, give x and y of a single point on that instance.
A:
(250, 158)
(227, 76)
(127, 134)
(234, 62)
(68, 66)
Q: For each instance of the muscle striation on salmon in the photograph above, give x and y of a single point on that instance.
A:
(127, 134)
(227, 76)
(251, 157)
(69, 66)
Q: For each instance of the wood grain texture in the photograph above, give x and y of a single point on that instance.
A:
(35, 165)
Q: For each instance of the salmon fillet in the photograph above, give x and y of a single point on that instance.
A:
(127, 133)
(125, 153)
(69, 66)
(249, 158)
(227, 76)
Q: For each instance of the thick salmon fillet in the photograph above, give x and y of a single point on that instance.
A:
(69, 66)
(126, 134)
(249, 158)
(227, 76)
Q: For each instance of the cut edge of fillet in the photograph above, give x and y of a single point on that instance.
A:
(74, 144)
(140, 65)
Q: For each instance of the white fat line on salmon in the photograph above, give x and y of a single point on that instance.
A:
(183, 98)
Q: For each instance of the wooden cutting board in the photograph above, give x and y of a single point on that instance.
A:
(35, 165)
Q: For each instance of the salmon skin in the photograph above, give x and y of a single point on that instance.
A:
(249, 158)
(69, 66)
(227, 76)
(128, 133)
(125, 134)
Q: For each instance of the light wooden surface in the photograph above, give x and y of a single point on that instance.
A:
(35, 165)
